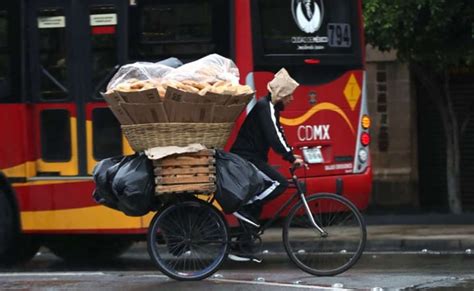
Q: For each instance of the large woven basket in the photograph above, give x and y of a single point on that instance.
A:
(145, 136)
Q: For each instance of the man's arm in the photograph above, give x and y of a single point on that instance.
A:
(273, 133)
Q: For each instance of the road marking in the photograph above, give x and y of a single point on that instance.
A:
(258, 283)
(155, 276)
(65, 274)
(275, 284)
(52, 274)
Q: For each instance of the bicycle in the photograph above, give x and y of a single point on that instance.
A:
(189, 239)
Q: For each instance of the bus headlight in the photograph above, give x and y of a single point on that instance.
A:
(363, 156)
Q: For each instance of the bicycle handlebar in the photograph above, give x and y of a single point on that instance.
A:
(294, 167)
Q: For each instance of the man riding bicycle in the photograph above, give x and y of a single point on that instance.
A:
(260, 131)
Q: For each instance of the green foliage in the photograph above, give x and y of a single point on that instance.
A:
(439, 33)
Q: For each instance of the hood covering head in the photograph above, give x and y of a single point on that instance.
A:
(282, 85)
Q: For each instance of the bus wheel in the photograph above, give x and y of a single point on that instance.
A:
(89, 249)
(14, 247)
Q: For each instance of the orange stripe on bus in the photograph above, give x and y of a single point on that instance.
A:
(315, 109)
(27, 169)
(87, 218)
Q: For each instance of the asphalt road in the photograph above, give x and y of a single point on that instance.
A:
(135, 271)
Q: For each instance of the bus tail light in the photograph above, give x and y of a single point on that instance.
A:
(312, 61)
(365, 122)
(365, 139)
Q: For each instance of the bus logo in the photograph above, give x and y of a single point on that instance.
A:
(313, 132)
(308, 14)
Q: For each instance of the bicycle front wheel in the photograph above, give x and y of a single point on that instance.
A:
(188, 240)
(324, 255)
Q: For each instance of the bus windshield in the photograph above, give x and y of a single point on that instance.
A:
(187, 29)
(289, 32)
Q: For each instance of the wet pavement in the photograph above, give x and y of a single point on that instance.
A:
(397, 257)
(135, 271)
(415, 237)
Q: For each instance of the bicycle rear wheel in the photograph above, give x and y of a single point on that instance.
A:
(325, 255)
(188, 240)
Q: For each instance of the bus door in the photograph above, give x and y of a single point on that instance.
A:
(106, 48)
(74, 48)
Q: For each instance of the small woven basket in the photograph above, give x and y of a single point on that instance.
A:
(145, 136)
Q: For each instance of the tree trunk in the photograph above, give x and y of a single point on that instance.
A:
(437, 87)
(453, 151)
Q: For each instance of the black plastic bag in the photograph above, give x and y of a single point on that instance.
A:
(238, 181)
(104, 172)
(133, 185)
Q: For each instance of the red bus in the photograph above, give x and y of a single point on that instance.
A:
(56, 56)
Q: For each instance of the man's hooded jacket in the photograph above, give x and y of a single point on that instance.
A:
(262, 130)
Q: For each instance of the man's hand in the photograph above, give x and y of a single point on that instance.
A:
(299, 162)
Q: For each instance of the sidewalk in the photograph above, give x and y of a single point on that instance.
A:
(402, 238)
(437, 238)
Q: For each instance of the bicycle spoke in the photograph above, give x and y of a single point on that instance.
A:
(175, 247)
(204, 223)
(345, 219)
(196, 220)
(174, 221)
(200, 261)
(204, 251)
(208, 241)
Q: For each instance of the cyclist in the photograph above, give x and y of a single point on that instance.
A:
(261, 131)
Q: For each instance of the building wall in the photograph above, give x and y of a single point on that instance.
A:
(392, 107)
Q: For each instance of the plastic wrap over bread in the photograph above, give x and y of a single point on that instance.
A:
(209, 69)
(138, 76)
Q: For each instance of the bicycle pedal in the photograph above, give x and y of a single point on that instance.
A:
(237, 258)
(244, 258)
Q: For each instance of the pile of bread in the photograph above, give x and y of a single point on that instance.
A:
(204, 91)
(190, 86)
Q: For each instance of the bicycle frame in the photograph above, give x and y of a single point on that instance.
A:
(300, 193)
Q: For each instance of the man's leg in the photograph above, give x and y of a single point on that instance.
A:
(256, 208)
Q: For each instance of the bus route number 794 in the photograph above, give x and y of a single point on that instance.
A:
(339, 34)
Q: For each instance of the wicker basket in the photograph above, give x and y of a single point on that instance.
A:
(145, 136)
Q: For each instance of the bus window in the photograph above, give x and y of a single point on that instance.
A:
(186, 29)
(52, 45)
(107, 136)
(103, 22)
(302, 32)
(55, 135)
(4, 56)
(10, 51)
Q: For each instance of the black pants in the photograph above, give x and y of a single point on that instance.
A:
(256, 208)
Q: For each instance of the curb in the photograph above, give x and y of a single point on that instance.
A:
(398, 246)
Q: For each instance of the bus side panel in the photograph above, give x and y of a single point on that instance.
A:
(16, 157)
(356, 188)
(68, 206)
(243, 57)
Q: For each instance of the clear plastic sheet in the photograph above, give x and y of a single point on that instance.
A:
(139, 71)
(209, 69)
